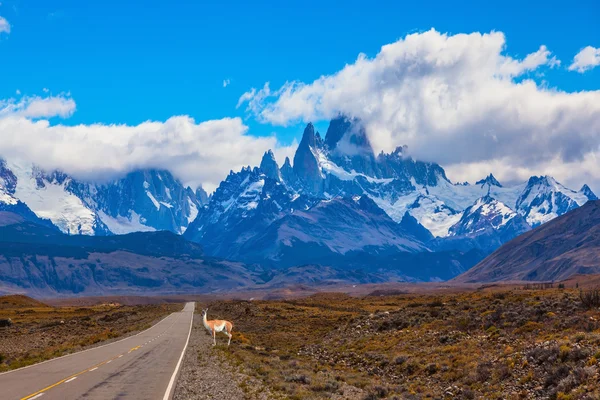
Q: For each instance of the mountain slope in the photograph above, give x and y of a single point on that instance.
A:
(329, 230)
(143, 200)
(567, 245)
(44, 262)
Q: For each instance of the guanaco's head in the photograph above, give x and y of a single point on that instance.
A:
(204, 312)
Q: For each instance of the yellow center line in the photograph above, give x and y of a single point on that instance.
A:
(134, 348)
(87, 369)
(66, 379)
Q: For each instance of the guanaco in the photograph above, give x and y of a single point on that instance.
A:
(217, 325)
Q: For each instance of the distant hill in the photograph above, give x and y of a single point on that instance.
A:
(556, 250)
(41, 261)
(19, 301)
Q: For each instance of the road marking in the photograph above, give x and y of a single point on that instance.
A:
(134, 348)
(68, 378)
(41, 392)
(172, 381)
(83, 351)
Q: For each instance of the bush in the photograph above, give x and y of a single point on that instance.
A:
(303, 379)
(590, 298)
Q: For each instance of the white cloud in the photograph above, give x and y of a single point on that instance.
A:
(587, 58)
(459, 100)
(18, 92)
(38, 107)
(196, 153)
(226, 82)
(4, 25)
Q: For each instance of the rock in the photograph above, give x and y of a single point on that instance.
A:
(5, 323)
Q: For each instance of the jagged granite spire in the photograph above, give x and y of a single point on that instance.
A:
(306, 165)
(269, 166)
(287, 172)
(201, 196)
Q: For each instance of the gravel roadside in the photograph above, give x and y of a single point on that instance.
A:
(205, 374)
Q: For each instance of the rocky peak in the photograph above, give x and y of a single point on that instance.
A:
(287, 172)
(336, 130)
(348, 137)
(306, 165)
(585, 190)
(545, 180)
(8, 180)
(309, 138)
(269, 166)
(201, 196)
(489, 180)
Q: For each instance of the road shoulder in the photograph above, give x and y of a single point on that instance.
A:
(205, 374)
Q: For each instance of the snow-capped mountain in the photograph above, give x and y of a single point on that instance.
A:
(486, 213)
(144, 200)
(257, 216)
(544, 199)
(304, 211)
(336, 203)
(8, 201)
(485, 225)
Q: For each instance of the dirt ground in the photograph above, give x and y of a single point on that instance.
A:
(528, 342)
(207, 374)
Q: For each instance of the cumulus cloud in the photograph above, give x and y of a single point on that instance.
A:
(38, 107)
(459, 100)
(4, 25)
(196, 153)
(587, 58)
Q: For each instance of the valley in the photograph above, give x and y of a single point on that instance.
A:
(338, 215)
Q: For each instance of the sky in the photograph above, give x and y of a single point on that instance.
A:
(100, 88)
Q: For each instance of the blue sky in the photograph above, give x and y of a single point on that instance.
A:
(132, 61)
(504, 101)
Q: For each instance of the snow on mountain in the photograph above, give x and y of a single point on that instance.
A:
(48, 198)
(343, 165)
(248, 203)
(141, 201)
(8, 183)
(434, 214)
(330, 229)
(485, 213)
(461, 196)
(544, 199)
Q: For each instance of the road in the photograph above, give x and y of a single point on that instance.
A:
(143, 366)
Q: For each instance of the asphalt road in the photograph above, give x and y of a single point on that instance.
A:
(143, 366)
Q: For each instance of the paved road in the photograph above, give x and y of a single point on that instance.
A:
(138, 367)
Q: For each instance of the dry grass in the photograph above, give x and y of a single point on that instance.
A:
(518, 344)
(40, 332)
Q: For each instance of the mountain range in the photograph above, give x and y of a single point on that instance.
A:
(565, 246)
(338, 204)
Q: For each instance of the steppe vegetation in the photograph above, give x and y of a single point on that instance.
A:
(522, 343)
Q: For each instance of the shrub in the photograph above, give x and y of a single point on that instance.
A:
(590, 298)
(484, 372)
(431, 369)
(303, 379)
